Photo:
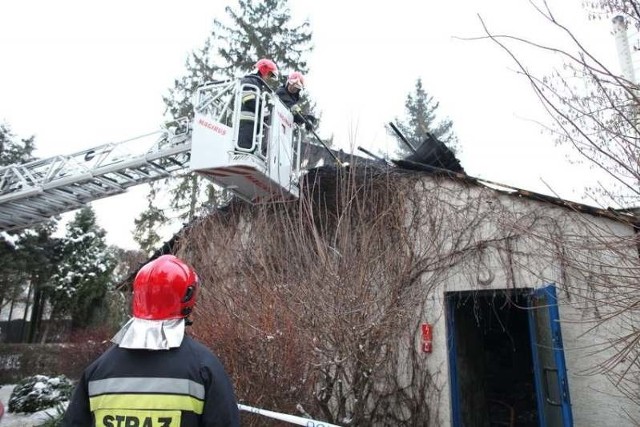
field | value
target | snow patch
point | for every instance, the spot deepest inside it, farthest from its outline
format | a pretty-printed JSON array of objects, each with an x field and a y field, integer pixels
[
  {"x": 23, "y": 419},
  {"x": 39, "y": 392}
]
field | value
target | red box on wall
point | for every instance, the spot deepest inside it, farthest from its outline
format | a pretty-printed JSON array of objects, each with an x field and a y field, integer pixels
[{"x": 427, "y": 340}]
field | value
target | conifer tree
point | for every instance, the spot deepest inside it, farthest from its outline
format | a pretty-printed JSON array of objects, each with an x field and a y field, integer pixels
[
  {"x": 83, "y": 276},
  {"x": 29, "y": 257},
  {"x": 421, "y": 109},
  {"x": 38, "y": 254},
  {"x": 9, "y": 275},
  {"x": 13, "y": 256},
  {"x": 253, "y": 29},
  {"x": 12, "y": 150}
]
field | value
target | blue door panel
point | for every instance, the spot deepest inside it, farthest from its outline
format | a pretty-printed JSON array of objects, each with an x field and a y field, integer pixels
[
  {"x": 550, "y": 369},
  {"x": 456, "y": 418}
]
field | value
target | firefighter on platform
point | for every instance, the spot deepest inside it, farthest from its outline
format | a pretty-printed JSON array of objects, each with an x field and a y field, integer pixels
[
  {"x": 265, "y": 73},
  {"x": 155, "y": 375},
  {"x": 289, "y": 94}
]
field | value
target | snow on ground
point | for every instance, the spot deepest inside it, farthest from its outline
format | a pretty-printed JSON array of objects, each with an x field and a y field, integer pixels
[{"x": 10, "y": 419}]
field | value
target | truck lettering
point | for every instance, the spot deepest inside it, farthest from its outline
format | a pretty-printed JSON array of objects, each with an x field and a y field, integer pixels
[
  {"x": 285, "y": 120},
  {"x": 214, "y": 127}
]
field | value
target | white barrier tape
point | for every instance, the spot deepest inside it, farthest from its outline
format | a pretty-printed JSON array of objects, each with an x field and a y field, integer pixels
[{"x": 285, "y": 417}]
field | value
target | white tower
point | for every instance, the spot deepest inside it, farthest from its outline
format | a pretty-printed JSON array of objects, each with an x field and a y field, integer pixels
[
  {"x": 622, "y": 46},
  {"x": 626, "y": 66}
]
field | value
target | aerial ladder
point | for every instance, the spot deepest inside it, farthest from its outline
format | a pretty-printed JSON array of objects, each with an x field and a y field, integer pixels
[{"x": 254, "y": 154}]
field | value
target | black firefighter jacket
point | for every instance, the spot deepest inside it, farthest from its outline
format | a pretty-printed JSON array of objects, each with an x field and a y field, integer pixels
[
  {"x": 290, "y": 99},
  {"x": 181, "y": 387},
  {"x": 249, "y": 96}
]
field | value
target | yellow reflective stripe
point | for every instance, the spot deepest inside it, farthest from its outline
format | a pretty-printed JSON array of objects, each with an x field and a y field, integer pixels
[
  {"x": 146, "y": 401},
  {"x": 246, "y": 98},
  {"x": 244, "y": 115}
]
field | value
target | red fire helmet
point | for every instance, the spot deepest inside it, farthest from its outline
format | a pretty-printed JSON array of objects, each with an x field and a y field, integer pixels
[
  {"x": 266, "y": 66},
  {"x": 296, "y": 79},
  {"x": 165, "y": 288}
]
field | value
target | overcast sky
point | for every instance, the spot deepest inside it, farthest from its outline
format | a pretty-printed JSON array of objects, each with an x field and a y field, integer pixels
[{"x": 78, "y": 74}]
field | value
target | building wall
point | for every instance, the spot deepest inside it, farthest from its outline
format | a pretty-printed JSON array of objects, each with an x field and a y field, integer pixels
[
  {"x": 530, "y": 244},
  {"x": 437, "y": 236}
]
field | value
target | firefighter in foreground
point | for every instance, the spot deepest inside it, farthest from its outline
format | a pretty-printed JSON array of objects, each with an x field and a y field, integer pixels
[{"x": 155, "y": 375}]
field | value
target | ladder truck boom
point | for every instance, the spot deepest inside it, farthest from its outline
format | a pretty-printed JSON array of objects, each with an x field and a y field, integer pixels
[
  {"x": 33, "y": 192},
  {"x": 253, "y": 152}
]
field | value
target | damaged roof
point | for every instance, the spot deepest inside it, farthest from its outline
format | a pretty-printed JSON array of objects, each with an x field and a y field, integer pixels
[
  {"x": 432, "y": 157},
  {"x": 432, "y": 153}
]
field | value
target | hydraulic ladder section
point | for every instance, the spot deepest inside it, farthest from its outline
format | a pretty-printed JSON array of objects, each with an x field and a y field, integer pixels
[{"x": 33, "y": 192}]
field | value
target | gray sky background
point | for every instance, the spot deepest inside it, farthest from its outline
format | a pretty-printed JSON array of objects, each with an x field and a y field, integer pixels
[{"x": 78, "y": 74}]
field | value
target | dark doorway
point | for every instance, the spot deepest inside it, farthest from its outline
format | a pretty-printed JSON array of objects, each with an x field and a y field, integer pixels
[{"x": 493, "y": 381}]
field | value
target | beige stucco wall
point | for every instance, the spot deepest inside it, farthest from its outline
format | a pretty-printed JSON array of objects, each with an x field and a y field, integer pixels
[{"x": 548, "y": 244}]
